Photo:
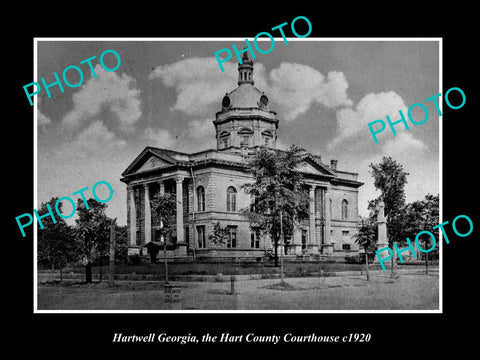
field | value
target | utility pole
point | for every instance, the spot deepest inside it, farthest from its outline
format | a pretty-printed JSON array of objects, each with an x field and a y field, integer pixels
[
  {"x": 111, "y": 278},
  {"x": 282, "y": 248}
]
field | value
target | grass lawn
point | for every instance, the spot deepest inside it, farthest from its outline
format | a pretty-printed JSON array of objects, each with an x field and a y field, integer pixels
[{"x": 408, "y": 292}]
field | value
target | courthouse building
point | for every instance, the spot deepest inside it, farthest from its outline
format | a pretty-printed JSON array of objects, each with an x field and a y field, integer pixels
[{"x": 208, "y": 189}]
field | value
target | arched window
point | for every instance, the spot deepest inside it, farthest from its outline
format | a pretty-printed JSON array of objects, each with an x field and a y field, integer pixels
[
  {"x": 200, "y": 198},
  {"x": 231, "y": 198},
  {"x": 245, "y": 134},
  {"x": 267, "y": 137},
  {"x": 225, "y": 139},
  {"x": 344, "y": 209}
]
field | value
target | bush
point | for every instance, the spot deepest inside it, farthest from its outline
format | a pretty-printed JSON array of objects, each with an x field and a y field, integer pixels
[
  {"x": 134, "y": 259},
  {"x": 360, "y": 258},
  {"x": 355, "y": 259}
]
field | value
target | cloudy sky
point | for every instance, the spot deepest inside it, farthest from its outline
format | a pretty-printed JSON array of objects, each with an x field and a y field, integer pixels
[{"x": 166, "y": 93}]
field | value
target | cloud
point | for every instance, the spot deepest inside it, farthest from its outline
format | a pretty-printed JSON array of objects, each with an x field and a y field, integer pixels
[
  {"x": 199, "y": 129},
  {"x": 115, "y": 92},
  {"x": 96, "y": 138},
  {"x": 295, "y": 88},
  {"x": 159, "y": 138},
  {"x": 403, "y": 145},
  {"x": 42, "y": 120},
  {"x": 198, "y": 83},
  {"x": 351, "y": 121}
]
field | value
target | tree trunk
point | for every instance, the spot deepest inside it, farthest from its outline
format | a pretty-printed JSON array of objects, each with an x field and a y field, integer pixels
[
  {"x": 282, "y": 280},
  {"x": 111, "y": 263},
  {"x": 61, "y": 273},
  {"x": 426, "y": 258},
  {"x": 393, "y": 273},
  {"x": 88, "y": 272},
  {"x": 366, "y": 265},
  {"x": 275, "y": 256},
  {"x": 88, "y": 265},
  {"x": 165, "y": 259}
]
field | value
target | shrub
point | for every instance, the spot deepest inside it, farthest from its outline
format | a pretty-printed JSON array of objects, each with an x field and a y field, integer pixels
[{"x": 134, "y": 259}]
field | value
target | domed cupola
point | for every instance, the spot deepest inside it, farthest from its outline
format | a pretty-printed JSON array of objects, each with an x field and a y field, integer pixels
[{"x": 245, "y": 119}]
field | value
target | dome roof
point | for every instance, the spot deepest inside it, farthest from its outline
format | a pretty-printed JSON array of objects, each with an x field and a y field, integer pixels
[{"x": 245, "y": 96}]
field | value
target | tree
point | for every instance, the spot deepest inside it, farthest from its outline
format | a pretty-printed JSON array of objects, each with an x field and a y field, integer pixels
[
  {"x": 367, "y": 238},
  {"x": 92, "y": 229},
  {"x": 419, "y": 216},
  {"x": 56, "y": 244},
  {"x": 163, "y": 207},
  {"x": 279, "y": 193},
  {"x": 121, "y": 243},
  {"x": 390, "y": 178},
  {"x": 220, "y": 236}
]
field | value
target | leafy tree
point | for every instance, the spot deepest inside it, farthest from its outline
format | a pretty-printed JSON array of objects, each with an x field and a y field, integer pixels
[
  {"x": 220, "y": 236},
  {"x": 279, "y": 191},
  {"x": 56, "y": 244},
  {"x": 419, "y": 216},
  {"x": 367, "y": 238},
  {"x": 163, "y": 208},
  {"x": 93, "y": 231},
  {"x": 390, "y": 178},
  {"x": 121, "y": 243}
]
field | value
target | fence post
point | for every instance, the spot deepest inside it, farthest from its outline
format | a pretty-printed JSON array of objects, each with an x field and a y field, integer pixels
[{"x": 232, "y": 285}]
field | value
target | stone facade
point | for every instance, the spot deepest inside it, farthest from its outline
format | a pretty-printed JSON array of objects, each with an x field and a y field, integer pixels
[{"x": 208, "y": 189}]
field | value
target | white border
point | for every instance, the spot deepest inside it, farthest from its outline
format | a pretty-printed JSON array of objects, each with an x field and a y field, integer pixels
[{"x": 146, "y": 39}]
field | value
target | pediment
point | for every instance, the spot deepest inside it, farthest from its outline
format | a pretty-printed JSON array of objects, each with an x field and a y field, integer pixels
[
  {"x": 152, "y": 162},
  {"x": 306, "y": 167},
  {"x": 310, "y": 166},
  {"x": 149, "y": 158}
]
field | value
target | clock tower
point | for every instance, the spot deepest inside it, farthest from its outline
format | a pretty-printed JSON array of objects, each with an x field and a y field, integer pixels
[{"x": 245, "y": 120}]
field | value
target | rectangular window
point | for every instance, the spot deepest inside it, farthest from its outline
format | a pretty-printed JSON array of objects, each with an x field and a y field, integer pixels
[
  {"x": 156, "y": 235},
  {"x": 255, "y": 240},
  {"x": 201, "y": 198},
  {"x": 225, "y": 142},
  {"x": 253, "y": 203},
  {"x": 346, "y": 246},
  {"x": 138, "y": 240},
  {"x": 186, "y": 235},
  {"x": 201, "y": 237},
  {"x": 345, "y": 232},
  {"x": 232, "y": 237}
]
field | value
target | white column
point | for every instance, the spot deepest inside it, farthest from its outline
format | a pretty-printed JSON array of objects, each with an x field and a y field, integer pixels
[
  {"x": 161, "y": 185},
  {"x": 180, "y": 236},
  {"x": 311, "y": 211},
  {"x": 326, "y": 209},
  {"x": 133, "y": 217},
  {"x": 382, "y": 226},
  {"x": 148, "y": 216},
  {"x": 382, "y": 241}
]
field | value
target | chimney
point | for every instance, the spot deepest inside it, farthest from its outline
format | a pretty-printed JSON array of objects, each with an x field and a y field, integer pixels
[{"x": 333, "y": 165}]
